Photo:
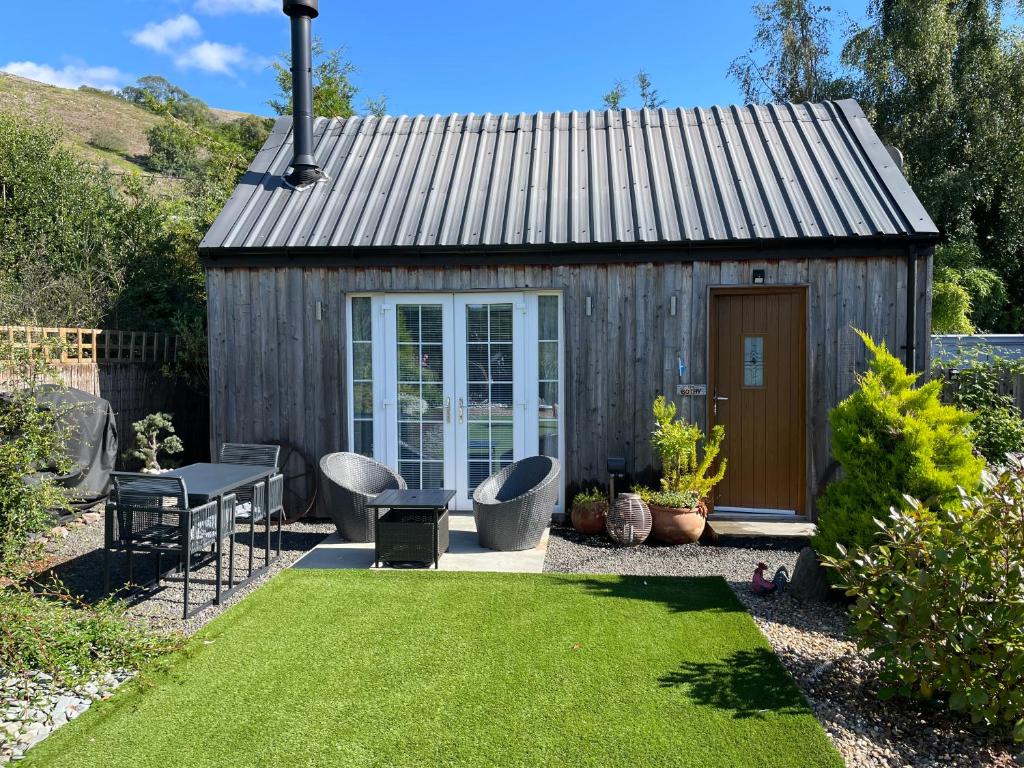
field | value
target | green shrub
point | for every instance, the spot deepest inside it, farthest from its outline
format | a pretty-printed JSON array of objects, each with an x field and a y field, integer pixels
[
  {"x": 29, "y": 441},
  {"x": 940, "y": 601},
  {"x": 685, "y": 470},
  {"x": 110, "y": 140},
  {"x": 892, "y": 439},
  {"x": 976, "y": 382},
  {"x": 52, "y": 632},
  {"x": 589, "y": 496}
]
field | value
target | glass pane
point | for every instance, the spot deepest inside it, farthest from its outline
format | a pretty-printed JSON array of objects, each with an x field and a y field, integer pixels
[
  {"x": 476, "y": 363},
  {"x": 501, "y": 443},
  {"x": 548, "y": 439},
  {"x": 501, "y": 402},
  {"x": 361, "y": 324},
  {"x": 362, "y": 438},
  {"x": 421, "y": 394},
  {"x": 408, "y": 324},
  {"x": 362, "y": 401},
  {"x": 476, "y": 322},
  {"x": 479, "y": 441},
  {"x": 478, "y": 472},
  {"x": 431, "y": 331},
  {"x": 547, "y": 309},
  {"x": 432, "y": 362},
  {"x": 549, "y": 360},
  {"x": 362, "y": 362},
  {"x": 433, "y": 474},
  {"x": 409, "y": 441},
  {"x": 548, "y": 399},
  {"x": 753, "y": 361},
  {"x": 501, "y": 362},
  {"x": 501, "y": 322},
  {"x": 433, "y": 441}
]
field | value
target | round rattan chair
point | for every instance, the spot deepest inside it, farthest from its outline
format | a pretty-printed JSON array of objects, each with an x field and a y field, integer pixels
[
  {"x": 348, "y": 481},
  {"x": 513, "y": 506}
]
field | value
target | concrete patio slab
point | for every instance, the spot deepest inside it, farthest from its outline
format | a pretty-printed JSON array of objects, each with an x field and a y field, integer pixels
[{"x": 464, "y": 553}]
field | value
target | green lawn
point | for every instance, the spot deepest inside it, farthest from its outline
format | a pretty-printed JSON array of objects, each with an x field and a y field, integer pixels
[{"x": 394, "y": 669}]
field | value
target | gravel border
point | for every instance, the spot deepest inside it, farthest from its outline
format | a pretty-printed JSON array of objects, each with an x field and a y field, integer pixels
[
  {"x": 33, "y": 706},
  {"x": 838, "y": 680}
]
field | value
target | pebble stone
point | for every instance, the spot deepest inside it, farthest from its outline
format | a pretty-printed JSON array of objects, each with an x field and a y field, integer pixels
[{"x": 812, "y": 640}]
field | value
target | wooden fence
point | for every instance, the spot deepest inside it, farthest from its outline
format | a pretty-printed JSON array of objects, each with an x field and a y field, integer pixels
[
  {"x": 126, "y": 368},
  {"x": 93, "y": 345}
]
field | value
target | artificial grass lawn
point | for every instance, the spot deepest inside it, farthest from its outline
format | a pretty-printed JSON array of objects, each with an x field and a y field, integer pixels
[{"x": 393, "y": 669}]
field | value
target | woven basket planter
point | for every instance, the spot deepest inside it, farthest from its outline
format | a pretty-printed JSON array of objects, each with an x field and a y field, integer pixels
[
  {"x": 629, "y": 521},
  {"x": 589, "y": 518},
  {"x": 678, "y": 525}
]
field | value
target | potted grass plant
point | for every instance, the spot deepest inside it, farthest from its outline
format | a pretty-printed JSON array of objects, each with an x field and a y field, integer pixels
[
  {"x": 679, "y": 509},
  {"x": 589, "y": 511}
]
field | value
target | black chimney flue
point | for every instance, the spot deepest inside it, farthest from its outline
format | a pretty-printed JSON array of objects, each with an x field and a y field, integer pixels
[{"x": 304, "y": 169}]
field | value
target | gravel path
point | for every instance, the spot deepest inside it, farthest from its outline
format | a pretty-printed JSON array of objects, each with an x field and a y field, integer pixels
[{"x": 839, "y": 681}]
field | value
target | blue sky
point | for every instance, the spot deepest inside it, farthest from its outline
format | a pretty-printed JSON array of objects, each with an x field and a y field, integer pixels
[{"x": 426, "y": 57}]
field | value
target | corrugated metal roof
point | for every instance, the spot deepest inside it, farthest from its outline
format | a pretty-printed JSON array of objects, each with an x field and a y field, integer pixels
[{"x": 792, "y": 171}]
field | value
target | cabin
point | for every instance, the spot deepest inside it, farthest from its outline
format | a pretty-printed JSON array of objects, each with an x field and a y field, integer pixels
[{"x": 450, "y": 293}]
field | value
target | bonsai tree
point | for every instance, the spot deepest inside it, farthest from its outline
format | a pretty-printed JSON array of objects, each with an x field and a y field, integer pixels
[
  {"x": 154, "y": 435},
  {"x": 892, "y": 439},
  {"x": 686, "y": 468}
]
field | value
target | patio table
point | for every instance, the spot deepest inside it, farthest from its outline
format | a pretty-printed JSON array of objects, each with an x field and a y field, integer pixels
[
  {"x": 414, "y": 528},
  {"x": 206, "y": 482}
]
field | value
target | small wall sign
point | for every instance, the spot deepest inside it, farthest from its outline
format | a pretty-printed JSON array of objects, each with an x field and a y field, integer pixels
[{"x": 692, "y": 390}]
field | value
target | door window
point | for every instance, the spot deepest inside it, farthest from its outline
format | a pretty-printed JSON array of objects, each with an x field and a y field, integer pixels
[
  {"x": 489, "y": 384},
  {"x": 420, "y": 355}
]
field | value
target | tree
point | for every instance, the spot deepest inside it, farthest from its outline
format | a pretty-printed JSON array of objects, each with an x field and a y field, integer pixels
[
  {"x": 157, "y": 94},
  {"x": 333, "y": 91},
  {"x": 790, "y": 58},
  {"x": 173, "y": 149},
  {"x": 892, "y": 438},
  {"x": 649, "y": 98},
  {"x": 944, "y": 80}
]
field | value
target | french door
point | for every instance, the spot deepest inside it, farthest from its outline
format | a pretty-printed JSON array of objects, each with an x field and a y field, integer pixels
[{"x": 452, "y": 392}]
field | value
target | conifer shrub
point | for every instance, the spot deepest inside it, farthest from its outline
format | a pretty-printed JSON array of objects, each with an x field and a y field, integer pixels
[{"x": 892, "y": 439}]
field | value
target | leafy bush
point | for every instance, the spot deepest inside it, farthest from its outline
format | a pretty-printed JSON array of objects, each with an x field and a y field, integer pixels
[
  {"x": 892, "y": 439},
  {"x": 52, "y": 632},
  {"x": 940, "y": 601},
  {"x": 976, "y": 382},
  {"x": 154, "y": 435},
  {"x": 589, "y": 496},
  {"x": 684, "y": 469},
  {"x": 110, "y": 140},
  {"x": 674, "y": 499},
  {"x": 29, "y": 441}
]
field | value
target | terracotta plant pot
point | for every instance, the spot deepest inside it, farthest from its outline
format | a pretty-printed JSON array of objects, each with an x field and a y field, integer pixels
[
  {"x": 589, "y": 518},
  {"x": 678, "y": 525}
]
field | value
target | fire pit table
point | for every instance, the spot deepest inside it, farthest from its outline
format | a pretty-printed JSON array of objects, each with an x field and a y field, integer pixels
[{"x": 414, "y": 527}]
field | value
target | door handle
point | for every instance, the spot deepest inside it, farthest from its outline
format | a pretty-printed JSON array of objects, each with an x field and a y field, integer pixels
[
  {"x": 462, "y": 410},
  {"x": 716, "y": 399},
  {"x": 447, "y": 410}
]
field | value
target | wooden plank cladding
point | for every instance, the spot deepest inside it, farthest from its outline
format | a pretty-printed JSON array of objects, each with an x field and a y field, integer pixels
[
  {"x": 92, "y": 345},
  {"x": 278, "y": 336}
]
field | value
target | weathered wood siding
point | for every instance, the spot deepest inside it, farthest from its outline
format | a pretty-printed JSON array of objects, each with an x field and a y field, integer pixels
[{"x": 277, "y": 372}]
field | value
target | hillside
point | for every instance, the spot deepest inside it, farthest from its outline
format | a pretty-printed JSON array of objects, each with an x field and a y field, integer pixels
[{"x": 106, "y": 129}]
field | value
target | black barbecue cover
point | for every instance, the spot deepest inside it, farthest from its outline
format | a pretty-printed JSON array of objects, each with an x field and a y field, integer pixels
[{"x": 91, "y": 440}]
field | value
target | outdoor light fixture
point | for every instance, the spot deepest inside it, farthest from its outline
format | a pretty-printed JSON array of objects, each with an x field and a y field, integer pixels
[
  {"x": 587, "y": 305},
  {"x": 758, "y": 276},
  {"x": 616, "y": 468},
  {"x": 672, "y": 305}
]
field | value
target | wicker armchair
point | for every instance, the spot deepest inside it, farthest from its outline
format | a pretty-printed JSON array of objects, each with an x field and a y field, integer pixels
[
  {"x": 150, "y": 513},
  {"x": 514, "y": 506},
  {"x": 347, "y": 482}
]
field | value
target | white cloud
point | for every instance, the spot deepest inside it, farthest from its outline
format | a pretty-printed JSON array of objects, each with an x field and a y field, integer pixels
[
  {"x": 71, "y": 76},
  {"x": 159, "y": 36},
  {"x": 224, "y": 7},
  {"x": 215, "y": 57}
]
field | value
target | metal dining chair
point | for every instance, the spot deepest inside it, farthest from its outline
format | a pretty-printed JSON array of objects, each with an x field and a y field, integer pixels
[
  {"x": 150, "y": 513},
  {"x": 255, "y": 505}
]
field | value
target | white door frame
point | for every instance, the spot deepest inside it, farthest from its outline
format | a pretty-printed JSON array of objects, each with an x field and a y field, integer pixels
[{"x": 526, "y": 395}]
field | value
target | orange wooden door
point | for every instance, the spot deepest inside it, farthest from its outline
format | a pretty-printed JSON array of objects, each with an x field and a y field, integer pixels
[{"x": 756, "y": 390}]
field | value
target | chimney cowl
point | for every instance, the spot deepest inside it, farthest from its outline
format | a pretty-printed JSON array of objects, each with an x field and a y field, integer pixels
[{"x": 309, "y": 8}]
